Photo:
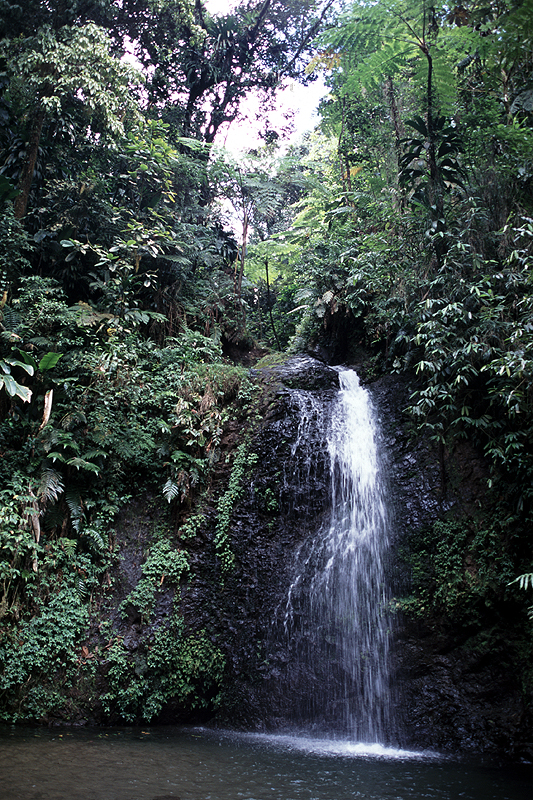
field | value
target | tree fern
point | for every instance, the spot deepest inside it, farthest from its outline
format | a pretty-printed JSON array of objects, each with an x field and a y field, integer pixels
[{"x": 374, "y": 42}]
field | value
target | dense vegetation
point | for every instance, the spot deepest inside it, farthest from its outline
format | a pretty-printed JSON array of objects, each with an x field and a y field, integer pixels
[{"x": 399, "y": 233}]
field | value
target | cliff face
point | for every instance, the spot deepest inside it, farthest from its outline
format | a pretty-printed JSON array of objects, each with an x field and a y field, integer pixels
[
  {"x": 457, "y": 676},
  {"x": 460, "y": 662}
]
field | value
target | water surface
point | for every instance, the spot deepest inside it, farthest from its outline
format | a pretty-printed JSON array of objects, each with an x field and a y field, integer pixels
[{"x": 198, "y": 764}]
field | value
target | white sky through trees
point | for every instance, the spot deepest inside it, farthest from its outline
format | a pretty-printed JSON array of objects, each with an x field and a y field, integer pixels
[{"x": 297, "y": 101}]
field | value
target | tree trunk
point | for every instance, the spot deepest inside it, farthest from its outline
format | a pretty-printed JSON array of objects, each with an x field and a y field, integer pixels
[
  {"x": 243, "y": 254},
  {"x": 436, "y": 185},
  {"x": 270, "y": 307},
  {"x": 28, "y": 167},
  {"x": 399, "y": 133}
]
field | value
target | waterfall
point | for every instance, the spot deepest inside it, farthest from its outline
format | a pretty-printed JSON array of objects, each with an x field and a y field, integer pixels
[{"x": 336, "y": 619}]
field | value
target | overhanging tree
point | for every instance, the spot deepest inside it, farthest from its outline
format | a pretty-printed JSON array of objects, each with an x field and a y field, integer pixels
[
  {"x": 51, "y": 69},
  {"x": 200, "y": 66}
]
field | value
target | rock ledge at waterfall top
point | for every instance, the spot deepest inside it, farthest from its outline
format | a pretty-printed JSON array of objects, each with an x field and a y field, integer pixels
[{"x": 299, "y": 372}]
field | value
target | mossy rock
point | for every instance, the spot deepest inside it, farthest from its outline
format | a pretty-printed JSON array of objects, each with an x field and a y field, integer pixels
[{"x": 299, "y": 372}]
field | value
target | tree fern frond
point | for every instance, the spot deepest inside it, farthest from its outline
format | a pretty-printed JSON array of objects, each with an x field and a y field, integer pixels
[
  {"x": 81, "y": 463},
  {"x": 10, "y": 320},
  {"x": 54, "y": 516},
  {"x": 95, "y": 454},
  {"x": 73, "y": 418},
  {"x": 524, "y": 581},
  {"x": 444, "y": 82},
  {"x": 81, "y": 588},
  {"x": 73, "y": 501},
  {"x": 50, "y": 486},
  {"x": 171, "y": 490},
  {"x": 518, "y": 34},
  {"x": 96, "y": 540}
]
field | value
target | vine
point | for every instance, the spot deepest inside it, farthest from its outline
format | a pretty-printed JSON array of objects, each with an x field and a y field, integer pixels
[
  {"x": 242, "y": 462},
  {"x": 164, "y": 565},
  {"x": 185, "y": 668}
]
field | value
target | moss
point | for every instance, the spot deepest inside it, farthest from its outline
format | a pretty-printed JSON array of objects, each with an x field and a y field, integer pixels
[{"x": 272, "y": 360}]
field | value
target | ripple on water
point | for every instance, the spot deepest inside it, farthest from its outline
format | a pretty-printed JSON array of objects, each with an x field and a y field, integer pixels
[{"x": 199, "y": 764}]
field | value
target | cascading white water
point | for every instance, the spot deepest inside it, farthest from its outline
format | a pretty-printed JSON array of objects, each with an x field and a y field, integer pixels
[{"x": 336, "y": 617}]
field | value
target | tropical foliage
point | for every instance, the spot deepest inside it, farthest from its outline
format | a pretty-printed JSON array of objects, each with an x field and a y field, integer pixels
[{"x": 136, "y": 256}]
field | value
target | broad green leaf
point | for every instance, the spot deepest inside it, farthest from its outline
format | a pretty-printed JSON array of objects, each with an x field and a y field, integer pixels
[
  {"x": 48, "y": 361},
  {"x": 27, "y": 358},
  {"x": 10, "y": 385},
  {"x": 15, "y": 363}
]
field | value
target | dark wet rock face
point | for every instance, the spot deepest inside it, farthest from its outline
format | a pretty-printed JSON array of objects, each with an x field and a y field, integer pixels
[
  {"x": 286, "y": 496},
  {"x": 456, "y": 693},
  {"x": 452, "y": 696},
  {"x": 458, "y": 699}
]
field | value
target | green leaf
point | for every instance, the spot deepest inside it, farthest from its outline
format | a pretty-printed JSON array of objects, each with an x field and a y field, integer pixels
[
  {"x": 28, "y": 359},
  {"x": 13, "y": 388},
  {"x": 80, "y": 463},
  {"x": 418, "y": 124},
  {"x": 24, "y": 393},
  {"x": 7, "y": 190},
  {"x": 10, "y": 385},
  {"x": 15, "y": 363},
  {"x": 48, "y": 361}
]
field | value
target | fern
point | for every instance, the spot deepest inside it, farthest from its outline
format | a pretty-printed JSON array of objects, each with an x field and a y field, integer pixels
[
  {"x": 95, "y": 454},
  {"x": 72, "y": 419},
  {"x": 388, "y": 60},
  {"x": 386, "y": 40},
  {"x": 171, "y": 490},
  {"x": 96, "y": 540},
  {"x": 54, "y": 516},
  {"x": 524, "y": 581},
  {"x": 81, "y": 463},
  {"x": 73, "y": 501},
  {"x": 11, "y": 321},
  {"x": 68, "y": 545},
  {"x": 81, "y": 588},
  {"x": 518, "y": 36},
  {"x": 51, "y": 486},
  {"x": 41, "y": 342}
]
